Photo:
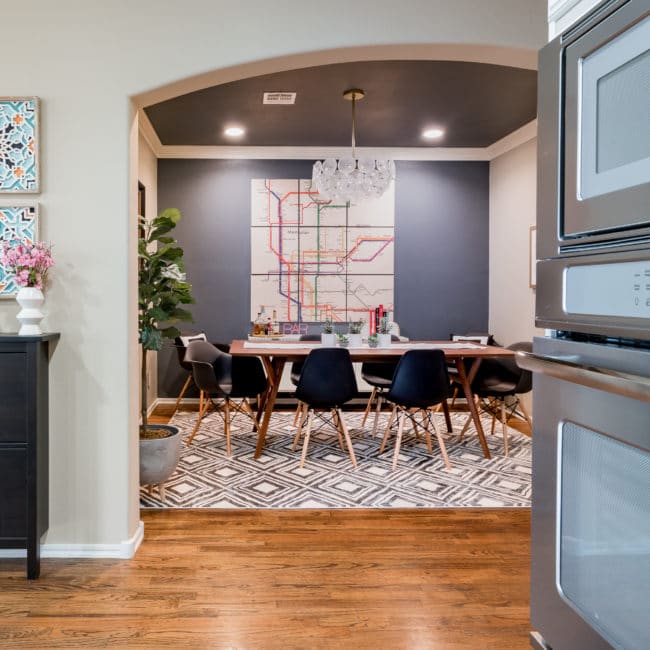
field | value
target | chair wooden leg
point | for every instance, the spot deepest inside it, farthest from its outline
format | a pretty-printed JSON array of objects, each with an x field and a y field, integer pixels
[
  {"x": 504, "y": 427},
  {"x": 305, "y": 443},
  {"x": 339, "y": 428},
  {"x": 304, "y": 409},
  {"x": 465, "y": 427},
  {"x": 426, "y": 416},
  {"x": 453, "y": 397},
  {"x": 226, "y": 425},
  {"x": 525, "y": 414},
  {"x": 348, "y": 441},
  {"x": 445, "y": 408},
  {"x": 298, "y": 412},
  {"x": 441, "y": 443},
  {"x": 246, "y": 407},
  {"x": 416, "y": 431},
  {"x": 371, "y": 399},
  {"x": 377, "y": 411},
  {"x": 202, "y": 411},
  {"x": 398, "y": 440},
  {"x": 494, "y": 419},
  {"x": 161, "y": 491},
  {"x": 387, "y": 432},
  {"x": 180, "y": 397}
]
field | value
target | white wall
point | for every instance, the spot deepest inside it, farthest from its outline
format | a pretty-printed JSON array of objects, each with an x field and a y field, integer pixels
[
  {"x": 513, "y": 186},
  {"x": 85, "y": 60}
]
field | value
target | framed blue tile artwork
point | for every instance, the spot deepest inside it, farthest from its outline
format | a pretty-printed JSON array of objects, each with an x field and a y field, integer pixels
[
  {"x": 17, "y": 224},
  {"x": 19, "y": 160}
]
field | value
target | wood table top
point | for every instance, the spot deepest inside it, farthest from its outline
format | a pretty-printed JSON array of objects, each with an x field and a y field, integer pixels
[{"x": 298, "y": 350}]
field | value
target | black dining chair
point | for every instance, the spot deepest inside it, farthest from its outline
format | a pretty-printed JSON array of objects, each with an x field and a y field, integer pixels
[
  {"x": 296, "y": 369},
  {"x": 379, "y": 374},
  {"x": 180, "y": 344},
  {"x": 420, "y": 383},
  {"x": 219, "y": 374},
  {"x": 496, "y": 380},
  {"x": 326, "y": 382}
]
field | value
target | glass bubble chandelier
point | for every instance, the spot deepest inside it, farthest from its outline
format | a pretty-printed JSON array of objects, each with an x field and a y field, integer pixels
[{"x": 352, "y": 179}]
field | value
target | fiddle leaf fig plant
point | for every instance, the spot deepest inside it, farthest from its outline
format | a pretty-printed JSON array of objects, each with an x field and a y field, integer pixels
[{"x": 162, "y": 288}]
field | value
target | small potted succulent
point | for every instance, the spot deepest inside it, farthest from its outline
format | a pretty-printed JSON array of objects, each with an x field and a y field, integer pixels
[
  {"x": 343, "y": 340},
  {"x": 327, "y": 337},
  {"x": 373, "y": 340},
  {"x": 383, "y": 336},
  {"x": 354, "y": 333}
]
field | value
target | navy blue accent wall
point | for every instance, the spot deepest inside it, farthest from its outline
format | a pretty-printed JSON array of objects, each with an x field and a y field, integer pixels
[{"x": 441, "y": 245}]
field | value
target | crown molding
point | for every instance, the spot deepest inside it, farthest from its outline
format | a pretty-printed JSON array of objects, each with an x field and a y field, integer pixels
[
  {"x": 513, "y": 140},
  {"x": 198, "y": 152}
]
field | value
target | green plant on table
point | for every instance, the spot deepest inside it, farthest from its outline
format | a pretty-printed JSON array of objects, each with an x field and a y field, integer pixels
[
  {"x": 373, "y": 340},
  {"x": 343, "y": 340},
  {"x": 384, "y": 325},
  {"x": 328, "y": 326},
  {"x": 162, "y": 288},
  {"x": 355, "y": 326}
]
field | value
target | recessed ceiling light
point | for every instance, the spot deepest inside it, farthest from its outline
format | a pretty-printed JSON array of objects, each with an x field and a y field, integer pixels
[
  {"x": 234, "y": 131},
  {"x": 432, "y": 134}
]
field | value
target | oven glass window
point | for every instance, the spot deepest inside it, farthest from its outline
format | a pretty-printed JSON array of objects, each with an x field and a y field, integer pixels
[
  {"x": 604, "y": 545},
  {"x": 615, "y": 114}
]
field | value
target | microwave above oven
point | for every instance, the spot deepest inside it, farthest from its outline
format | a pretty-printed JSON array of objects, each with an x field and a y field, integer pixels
[{"x": 594, "y": 133}]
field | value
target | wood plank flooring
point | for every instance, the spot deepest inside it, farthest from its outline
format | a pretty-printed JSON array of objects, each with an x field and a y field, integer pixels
[{"x": 443, "y": 579}]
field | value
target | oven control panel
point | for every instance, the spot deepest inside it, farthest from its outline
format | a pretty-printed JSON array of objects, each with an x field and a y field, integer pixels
[{"x": 613, "y": 289}]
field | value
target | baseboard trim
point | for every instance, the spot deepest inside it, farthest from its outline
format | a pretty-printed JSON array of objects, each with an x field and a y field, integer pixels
[{"x": 122, "y": 551}]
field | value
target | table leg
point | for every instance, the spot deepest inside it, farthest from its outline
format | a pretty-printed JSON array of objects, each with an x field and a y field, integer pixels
[
  {"x": 465, "y": 381},
  {"x": 274, "y": 368}
]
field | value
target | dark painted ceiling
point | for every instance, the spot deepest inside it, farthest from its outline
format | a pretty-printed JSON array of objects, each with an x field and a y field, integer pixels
[{"x": 476, "y": 104}]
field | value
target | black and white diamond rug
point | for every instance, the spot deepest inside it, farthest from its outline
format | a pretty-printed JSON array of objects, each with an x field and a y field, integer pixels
[{"x": 207, "y": 478}]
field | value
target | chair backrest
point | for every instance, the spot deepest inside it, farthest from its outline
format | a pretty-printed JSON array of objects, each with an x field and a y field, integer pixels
[
  {"x": 181, "y": 342},
  {"x": 327, "y": 378},
  {"x": 504, "y": 371},
  {"x": 420, "y": 380},
  {"x": 210, "y": 366},
  {"x": 525, "y": 383}
]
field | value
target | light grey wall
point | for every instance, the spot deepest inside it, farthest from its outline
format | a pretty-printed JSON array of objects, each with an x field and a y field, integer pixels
[{"x": 441, "y": 245}]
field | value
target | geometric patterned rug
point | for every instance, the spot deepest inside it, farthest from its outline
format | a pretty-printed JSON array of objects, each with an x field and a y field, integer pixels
[{"x": 207, "y": 478}]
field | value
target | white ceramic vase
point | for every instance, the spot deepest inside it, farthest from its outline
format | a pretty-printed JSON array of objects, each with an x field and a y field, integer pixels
[
  {"x": 355, "y": 340},
  {"x": 31, "y": 300},
  {"x": 328, "y": 340},
  {"x": 384, "y": 340}
]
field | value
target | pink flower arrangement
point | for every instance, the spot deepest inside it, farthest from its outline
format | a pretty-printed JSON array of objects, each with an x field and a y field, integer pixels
[{"x": 28, "y": 262}]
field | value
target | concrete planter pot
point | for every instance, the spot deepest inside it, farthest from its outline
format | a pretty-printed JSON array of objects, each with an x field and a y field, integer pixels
[{"x": 159, "y": 456}]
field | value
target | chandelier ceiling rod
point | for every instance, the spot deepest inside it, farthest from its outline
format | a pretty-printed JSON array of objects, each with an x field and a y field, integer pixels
[{"x": 353, "y": 95}]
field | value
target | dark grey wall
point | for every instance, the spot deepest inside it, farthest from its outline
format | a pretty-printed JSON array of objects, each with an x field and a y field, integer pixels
[{"x": 441, "y": 245}]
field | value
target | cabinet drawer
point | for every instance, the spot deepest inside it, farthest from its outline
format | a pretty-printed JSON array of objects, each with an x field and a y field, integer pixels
[
  {"x": 13, "y": 496},
  {"x": 13, "y": 397}
]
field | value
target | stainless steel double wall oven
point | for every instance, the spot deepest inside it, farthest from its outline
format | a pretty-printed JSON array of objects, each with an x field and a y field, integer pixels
[{"x": 590, "y": 579}]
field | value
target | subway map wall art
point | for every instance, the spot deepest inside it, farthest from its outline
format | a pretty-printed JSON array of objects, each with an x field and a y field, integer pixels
[
  {"x": 313, "y": 259},
  {"x": 17, "y": 224},
  {"x": 19, "y": 166}
]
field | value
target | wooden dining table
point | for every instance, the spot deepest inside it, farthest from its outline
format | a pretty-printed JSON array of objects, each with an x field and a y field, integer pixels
[{"x": 275, "y": 354}]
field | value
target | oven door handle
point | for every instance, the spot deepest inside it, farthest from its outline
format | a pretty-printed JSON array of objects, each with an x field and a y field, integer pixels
[{"x": 610, "y": 381}]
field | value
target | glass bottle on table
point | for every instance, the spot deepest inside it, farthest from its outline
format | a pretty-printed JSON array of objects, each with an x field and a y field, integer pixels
[{"x": 259, "y": 326}]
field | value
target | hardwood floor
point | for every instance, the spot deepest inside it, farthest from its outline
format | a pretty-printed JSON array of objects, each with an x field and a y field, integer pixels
[{"x": 443, "y": 579}]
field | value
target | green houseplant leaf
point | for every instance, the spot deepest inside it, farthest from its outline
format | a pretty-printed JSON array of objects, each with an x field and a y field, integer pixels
[{"x": 162, "y": 288}]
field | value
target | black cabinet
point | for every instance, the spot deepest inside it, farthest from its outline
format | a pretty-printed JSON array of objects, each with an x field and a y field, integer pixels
[{"x": 24, "y": 475}]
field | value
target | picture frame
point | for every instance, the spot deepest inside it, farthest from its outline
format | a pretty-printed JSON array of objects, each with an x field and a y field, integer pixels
[
  {"x": 17, "y": 223},
  {"x": 532, "y": 257},
  {"x": 19, "y": 145}
]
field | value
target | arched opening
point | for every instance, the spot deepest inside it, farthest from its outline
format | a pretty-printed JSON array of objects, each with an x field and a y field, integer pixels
[{"x": 512, "y": 57}]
